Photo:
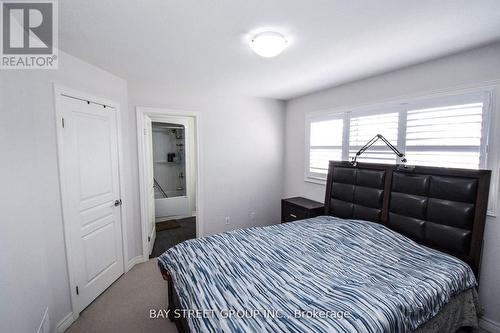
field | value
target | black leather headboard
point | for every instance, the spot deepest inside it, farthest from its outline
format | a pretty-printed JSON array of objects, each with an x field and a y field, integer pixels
[{"x": 442, "y": 208}]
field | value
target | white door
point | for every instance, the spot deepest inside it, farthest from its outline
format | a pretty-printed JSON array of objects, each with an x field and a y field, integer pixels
[
  {"x": 148, "y": 139},
  {"x": 91, "y": 197}
]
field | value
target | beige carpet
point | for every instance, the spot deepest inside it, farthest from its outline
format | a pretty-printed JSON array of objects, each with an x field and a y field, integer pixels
[{"x": 124, "y": 307}]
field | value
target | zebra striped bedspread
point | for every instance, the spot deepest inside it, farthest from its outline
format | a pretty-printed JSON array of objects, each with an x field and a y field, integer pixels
[{"x": 318, "y": 275}]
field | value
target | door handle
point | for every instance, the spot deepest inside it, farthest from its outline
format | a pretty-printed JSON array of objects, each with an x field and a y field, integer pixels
[
  {"x": 118, "y": 202},
  {"x": 294, "y": 216}
]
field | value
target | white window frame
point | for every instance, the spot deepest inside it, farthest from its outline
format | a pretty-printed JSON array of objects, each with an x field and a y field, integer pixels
[
  {"x": 487, "y": 96},
  {"x": 311, "y": 118}
]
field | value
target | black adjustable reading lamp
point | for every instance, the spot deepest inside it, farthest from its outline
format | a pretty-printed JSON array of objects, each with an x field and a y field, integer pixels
[{"x": 371, "y": 142}]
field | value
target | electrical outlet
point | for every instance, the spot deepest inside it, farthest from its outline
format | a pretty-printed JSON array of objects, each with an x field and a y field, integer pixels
[
  {"x": 228, "y": 219},
  {"x": 252, "y": 216}
]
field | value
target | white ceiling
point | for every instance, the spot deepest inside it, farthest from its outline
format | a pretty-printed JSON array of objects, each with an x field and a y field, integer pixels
[{"x": 202, "y": 44}]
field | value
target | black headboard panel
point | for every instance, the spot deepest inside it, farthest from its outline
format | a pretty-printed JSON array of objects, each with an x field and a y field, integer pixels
[
  {"x": 357, "y": 193},
  {"x": 441, "y": 208}
]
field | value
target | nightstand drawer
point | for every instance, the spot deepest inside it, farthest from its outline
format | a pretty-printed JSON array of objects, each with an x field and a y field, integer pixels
[
  {"x": 291, "y": 213},
  {"x": 298, "y": 208}
]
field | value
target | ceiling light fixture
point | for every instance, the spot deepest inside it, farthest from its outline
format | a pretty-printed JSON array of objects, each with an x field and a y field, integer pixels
[{"x": 268, "y": 44}]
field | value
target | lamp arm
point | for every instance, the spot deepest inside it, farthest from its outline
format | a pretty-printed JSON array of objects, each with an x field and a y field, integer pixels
[
  {"x": 394, "y": 149},
  {"x": 365, "y": 147},
  {"x": 371, "y": 142}
]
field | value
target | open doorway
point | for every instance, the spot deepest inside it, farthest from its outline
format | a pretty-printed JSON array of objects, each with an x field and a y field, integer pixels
[
  {"x": 175, "y": 211},
  {"x": 169, "y": 179}
]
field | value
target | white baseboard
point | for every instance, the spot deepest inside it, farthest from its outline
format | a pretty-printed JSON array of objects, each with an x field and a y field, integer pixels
[
  {"x": 134, "y": 261},
  {"x": 489, "y": 325},
  {"x": 44, "y": 324},
  {"x": 65, "y": 323}
]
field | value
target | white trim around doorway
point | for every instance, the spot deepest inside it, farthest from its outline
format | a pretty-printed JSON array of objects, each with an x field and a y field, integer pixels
[{"x": 156, "y": 114}]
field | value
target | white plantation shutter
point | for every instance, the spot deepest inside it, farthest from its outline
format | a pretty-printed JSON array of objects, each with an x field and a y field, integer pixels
[
  {"x": 445, "y": 131},
  {"x": 364, "y": 128},
  {"x": 325, "y": 145},
  {"x": 446, "y": 136}
]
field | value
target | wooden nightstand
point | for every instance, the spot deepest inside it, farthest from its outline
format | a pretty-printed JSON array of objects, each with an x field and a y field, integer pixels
[{"x": 298, "y": 208}]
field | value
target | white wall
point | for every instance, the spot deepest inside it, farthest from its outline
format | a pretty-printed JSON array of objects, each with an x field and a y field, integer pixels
[
  {"x": 33, "y": 265},
  {"x": 468, "y": 69},
  {"x": 241, "y": 144},
  {"x": 241, "y": 152}
]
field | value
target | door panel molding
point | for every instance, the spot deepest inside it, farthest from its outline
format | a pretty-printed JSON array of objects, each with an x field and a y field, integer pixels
[{"x": 89, "y": 220}]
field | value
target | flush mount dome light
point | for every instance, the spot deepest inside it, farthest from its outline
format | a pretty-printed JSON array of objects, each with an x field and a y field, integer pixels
[{"x": 268, "y": 44}]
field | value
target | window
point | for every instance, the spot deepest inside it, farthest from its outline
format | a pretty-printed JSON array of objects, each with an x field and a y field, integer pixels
[
  {"x": 326, "y": 145},
  {"x": 445, "y": 136},
  {"x": 448, "y": 131},
  {"x": 364, "y": 128}
]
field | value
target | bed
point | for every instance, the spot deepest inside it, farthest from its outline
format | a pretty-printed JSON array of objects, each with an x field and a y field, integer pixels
[{"x": 398, "y": 250}]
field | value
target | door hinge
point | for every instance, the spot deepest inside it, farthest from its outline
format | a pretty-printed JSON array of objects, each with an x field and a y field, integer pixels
[
  {"x": 62, "y": 122},
  {"x": 149, "y": 238},
  {"x": 77, "y": 292}
]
